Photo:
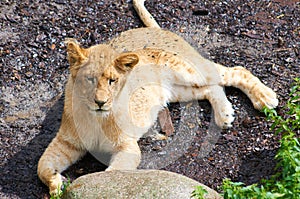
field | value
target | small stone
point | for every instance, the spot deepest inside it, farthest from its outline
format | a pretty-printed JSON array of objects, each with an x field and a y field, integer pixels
[
  {"x": 52, "y": 46},
  {"x": 29, "y": 74},
  {"x": 10, "y": 119},
  {"x": 289, "y": 60}
]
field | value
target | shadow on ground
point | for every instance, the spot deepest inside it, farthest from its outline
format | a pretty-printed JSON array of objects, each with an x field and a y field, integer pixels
[
  {"x": 20, "y": 179},
  {"x": 256, "y": 164},
  {"x": 20, "y": 171}
]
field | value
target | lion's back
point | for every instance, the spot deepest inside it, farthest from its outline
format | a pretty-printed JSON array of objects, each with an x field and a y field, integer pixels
[
  {"x": 140, "y": 38},
  {"x": 156, "y": 38}
]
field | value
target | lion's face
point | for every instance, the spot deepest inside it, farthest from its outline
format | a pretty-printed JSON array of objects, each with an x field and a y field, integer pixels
[
  {"x": 98, "y": 75},
  {"x": 99, "y": 89}
]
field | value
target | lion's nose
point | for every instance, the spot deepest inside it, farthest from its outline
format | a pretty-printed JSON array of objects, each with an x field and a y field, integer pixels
[{"x": 100, "y": 103}]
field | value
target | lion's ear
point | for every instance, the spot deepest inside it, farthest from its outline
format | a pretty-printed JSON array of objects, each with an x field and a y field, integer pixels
[
  {"x": 76, "y": 54},
  {"x": 126, "y": 61}
]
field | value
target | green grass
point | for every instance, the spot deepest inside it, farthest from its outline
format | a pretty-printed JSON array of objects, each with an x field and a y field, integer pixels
[{"x": 285, "y": 183}]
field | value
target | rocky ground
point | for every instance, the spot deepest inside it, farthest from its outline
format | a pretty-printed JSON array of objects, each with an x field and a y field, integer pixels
[{"x": 263, "y": 36}]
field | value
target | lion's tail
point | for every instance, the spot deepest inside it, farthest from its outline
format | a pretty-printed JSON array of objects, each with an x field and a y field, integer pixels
[{"x": 144, "y": 15}]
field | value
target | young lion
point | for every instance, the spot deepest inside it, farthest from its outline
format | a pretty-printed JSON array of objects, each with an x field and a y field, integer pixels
[{"x": 115, "y": 91}]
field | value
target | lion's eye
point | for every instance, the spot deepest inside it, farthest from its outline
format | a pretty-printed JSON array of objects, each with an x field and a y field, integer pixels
[
  {"x": 91, "y": 80},
  {"x": 110, "y": 81}
]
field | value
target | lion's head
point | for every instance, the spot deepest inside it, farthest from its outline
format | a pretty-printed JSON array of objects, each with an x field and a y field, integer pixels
[{"x": 97, "y": 74}]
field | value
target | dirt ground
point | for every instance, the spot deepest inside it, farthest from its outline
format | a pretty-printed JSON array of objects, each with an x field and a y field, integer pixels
[{"x": 262, "y": 36}]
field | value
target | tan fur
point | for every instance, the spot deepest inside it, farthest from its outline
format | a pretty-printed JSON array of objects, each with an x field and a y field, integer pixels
[{"x": 116, "y": 90}]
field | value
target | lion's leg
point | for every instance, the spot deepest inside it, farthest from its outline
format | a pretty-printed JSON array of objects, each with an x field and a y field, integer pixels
[
  {"x": 224, "y": 113},
  {"x": 127, "y": 156},
  {"x": 144, "y": 15},
  {"x": 59, "y": 155},
  {"x": 241, "y": 78}
]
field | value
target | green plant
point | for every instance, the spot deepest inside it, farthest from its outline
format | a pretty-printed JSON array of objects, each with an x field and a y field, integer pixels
[
  {"x": 285, "y": 184},
  {"x": 287, "y": 180},
  {"x": 237, "y": 190},
  {"x": 199, "y": 192},
  {"x": 62, "y": 190}
]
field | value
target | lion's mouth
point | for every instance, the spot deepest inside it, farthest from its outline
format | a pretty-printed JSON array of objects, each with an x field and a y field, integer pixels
[
  {"x": 101, "y": 110},
  {"x": 94, "y": 109}
]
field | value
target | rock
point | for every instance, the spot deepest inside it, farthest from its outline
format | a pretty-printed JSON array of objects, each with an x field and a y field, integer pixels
[
  {"x": 165, "y": 121},
  {"x": 135, "y": 184}
]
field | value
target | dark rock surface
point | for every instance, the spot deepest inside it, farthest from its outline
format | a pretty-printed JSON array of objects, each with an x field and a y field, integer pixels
[{"x": 263, "y": 36}]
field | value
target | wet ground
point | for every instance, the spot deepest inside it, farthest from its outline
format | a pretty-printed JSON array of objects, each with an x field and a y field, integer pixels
[{"x": 263, "y": 36}]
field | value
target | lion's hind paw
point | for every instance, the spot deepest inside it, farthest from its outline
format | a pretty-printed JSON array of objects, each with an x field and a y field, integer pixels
[{"x": 264, "y": 97}]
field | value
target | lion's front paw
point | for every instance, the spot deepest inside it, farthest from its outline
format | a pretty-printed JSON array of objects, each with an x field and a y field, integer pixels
[
  {"x": 55, "y": 184},
  {"x": 264, "y": 97},
  {"x": 224, "y": 116}
]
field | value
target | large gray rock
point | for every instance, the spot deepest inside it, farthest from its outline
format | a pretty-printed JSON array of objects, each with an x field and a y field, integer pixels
[{"x": 146, "y": 184}]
